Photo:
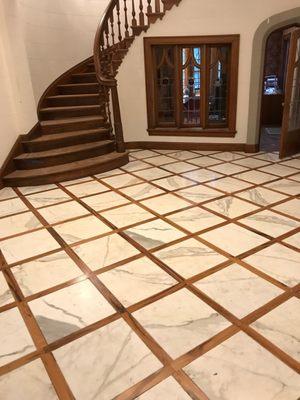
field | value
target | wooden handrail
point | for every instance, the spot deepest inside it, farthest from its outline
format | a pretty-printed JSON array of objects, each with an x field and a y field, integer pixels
[{"x": 112, "y": 41}]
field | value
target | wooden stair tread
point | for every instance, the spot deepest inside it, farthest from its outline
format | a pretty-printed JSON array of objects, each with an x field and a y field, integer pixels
[
  {"x": 67, "y": 108},
  {"x": 85, "y": 84},
  {"x": 73, "y": 166},
  {"x": 63, "y": 150},
  {"x": 62, "y": 135},
  {"x": 71, "y": 120},
  {"x": 73, "y": 96}
]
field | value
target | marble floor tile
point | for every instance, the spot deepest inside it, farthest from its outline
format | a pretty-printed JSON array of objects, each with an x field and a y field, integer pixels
[
  {"x": 256, "y": 177},
  {"x": 204, "y": 161},
  {"x": 127, "y": 215},
  {"x": 228, "y": 168},
  {"x": 282, "y": 327},
  {"x": 240, "y": 368},
  {"x": 152, "y": 173},
  {"x": 32, "y": 383},
  {"x": 179, "y": 167},
  {"x": 233, "y": 283},
  {"x": 199, "y": 193},
  {"x": 144, "y": 154},
  {"x": 15, "y": 339},
  {"x": 6, "y": 296},
  {"x": 34, "y": 189},
  {"x": 160, "y": 160},
  {"x": 48, "y": 198},
  {"x": 12, "y": 206},
  {"x": 123, "y": 180},
  {"x": 291, "y": 207},
  {"x": 229, "y": 185},
  {"x": 45, "y": 272},
  {"x": 174, "y": 182},
  {"x": 153, "y": 234},
  {"x": 279, "y": 169},
  {"x": 61, "y": 212},
  {"x": 294, "y": 163},
  {"x": 207, "y": 152},
  {"x": 231, "y": 207},
  {"x": 293, "y": 240},
  {"x": 272, "y": 157},
  {"x": 142, "y": 191},
  {"x": 183, "y": 155},
  {"x": 165, "y": 203},
  {"x": 270, "y": 223},
  {"x": 202, "y": 175},
  {"x": 285, "y": 186},
  {"x": 190, "y": 257},
  {"x": 135, "y": 166},
  {"x": 228, "y": 156},
  {"x": 278, "y": 261},
  {"x": 77, "y": 181},
  {"x": 7, "y": 193},
  {"x": 295, "y": 177},
  {"x": 136, "y": 281},
  {"x": 87, "y": 188},
  {"x": 67, "y": 310},
  {"x": 80, "y": 229},
  {"x": 195, "y": 219},
  {"x": 261, "y": 196},
  {"x": 169, "y": 389},
  {"x": 233, "y": 239},
  {"x": 105, "y": 251},
  {"x": 125, "y": 360},
  {"x": 181, "y": 321},
  {"x": 21, "y": 248},
  {"x": 251, "y": 162},
  {"x": 105, "y": 200},
  {"x": 20, "y": 223},
  {"x": 113, "y": 172}
]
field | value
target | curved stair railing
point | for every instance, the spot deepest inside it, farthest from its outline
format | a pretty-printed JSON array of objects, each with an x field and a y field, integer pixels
[{"x": 121, "y": 22}]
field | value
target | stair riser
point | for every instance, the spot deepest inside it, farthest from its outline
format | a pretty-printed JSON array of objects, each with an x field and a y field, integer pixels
[
  {"x": 46, "y": 115},
  {"x": 72, "y": 126},
  {"x": 77, "y": 101},
  {"x": 54, "y": 144},
  {"x": 64, "y": 158},
  {"x": 68, "y": 175},
  {"x": 84, "y": 78},
  {"x": 77, "y": 89}
]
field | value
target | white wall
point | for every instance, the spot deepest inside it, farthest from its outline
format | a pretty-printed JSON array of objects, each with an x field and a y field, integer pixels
[
  {"x": 196, "y": 17},
  {"x": 58, "y": 34}
]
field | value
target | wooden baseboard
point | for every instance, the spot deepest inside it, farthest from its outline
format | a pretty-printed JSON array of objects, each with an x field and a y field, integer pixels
[
  {"x": 8, "y": 165},
  {"x": 193, "y": 146}
]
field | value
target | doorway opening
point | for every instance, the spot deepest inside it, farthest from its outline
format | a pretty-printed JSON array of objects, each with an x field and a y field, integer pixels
[{"x": 274, "y": 88}]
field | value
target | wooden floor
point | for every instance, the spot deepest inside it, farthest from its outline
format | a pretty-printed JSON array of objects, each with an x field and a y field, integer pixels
[{"x": 173, "y": 277}]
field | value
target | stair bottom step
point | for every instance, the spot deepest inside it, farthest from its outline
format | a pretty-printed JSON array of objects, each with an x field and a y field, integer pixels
[{"x": 65, "y": 172}]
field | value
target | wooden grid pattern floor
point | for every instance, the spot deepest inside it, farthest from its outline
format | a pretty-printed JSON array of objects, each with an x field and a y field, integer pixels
[{"x": 175, "y": 277}]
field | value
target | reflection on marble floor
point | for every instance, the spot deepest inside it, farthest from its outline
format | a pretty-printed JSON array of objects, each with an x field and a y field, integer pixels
[{"x": 108, "y": 279}]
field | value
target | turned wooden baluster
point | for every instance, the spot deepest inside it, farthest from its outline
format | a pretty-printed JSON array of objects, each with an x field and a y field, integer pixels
[
  {"x": 118, "y": 20},
  {"x": 157, "y": 6},
  {"x": 126, "y": 20},
  {"x": 112, "y": 34},
  {"x": 134, "y": 21},
  {"x": 106, "y": 30},
  {"x": 141, "y": 15},
  {"x": 149, "y": 8}
]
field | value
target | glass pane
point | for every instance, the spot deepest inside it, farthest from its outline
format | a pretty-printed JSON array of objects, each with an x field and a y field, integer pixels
[
  {"x": 294, "y": 117},
  {"x": 191, "y": 85},
  {"x": 165, "y": 74},
  {"x": 218, "y": 84}
]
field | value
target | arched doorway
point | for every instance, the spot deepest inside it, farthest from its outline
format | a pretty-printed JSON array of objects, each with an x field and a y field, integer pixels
[{"x": 276, "y": 22}]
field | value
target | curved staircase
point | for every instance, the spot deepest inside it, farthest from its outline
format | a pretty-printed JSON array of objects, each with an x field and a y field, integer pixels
[{"x": 80, "y": 129}]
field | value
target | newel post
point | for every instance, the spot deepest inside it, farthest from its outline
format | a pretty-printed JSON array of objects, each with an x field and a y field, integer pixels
[{"x": 120, "y": 145}]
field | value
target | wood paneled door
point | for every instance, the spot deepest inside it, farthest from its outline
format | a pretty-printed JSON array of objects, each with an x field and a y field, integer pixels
[{"x": 290, "y": 136}]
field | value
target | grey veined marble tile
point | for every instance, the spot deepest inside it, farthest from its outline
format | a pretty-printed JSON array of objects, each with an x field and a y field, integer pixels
[
  {"x": 240, "y": 368},
  {"x": 29, "y": 382},
  {"x": 106, "y": 362},
  {"x": 168, "y": 389}
]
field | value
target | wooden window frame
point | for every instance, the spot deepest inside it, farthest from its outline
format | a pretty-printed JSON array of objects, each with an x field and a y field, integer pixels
[{"x": 230, "y": 130}]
